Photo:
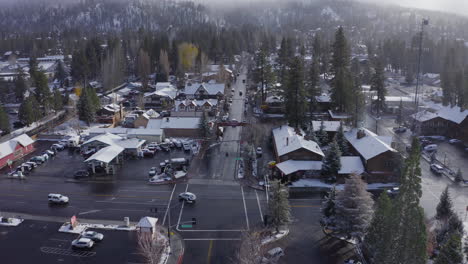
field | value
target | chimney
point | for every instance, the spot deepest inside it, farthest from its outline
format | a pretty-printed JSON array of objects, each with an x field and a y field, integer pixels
[
  {"x": 167, "y": 119},
  {"x": 360, "y": 134},
  {"x": 287, "y": 141}
]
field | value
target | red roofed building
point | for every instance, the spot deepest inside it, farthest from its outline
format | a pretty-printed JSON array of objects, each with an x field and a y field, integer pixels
[{"x": 15, "y": 149}]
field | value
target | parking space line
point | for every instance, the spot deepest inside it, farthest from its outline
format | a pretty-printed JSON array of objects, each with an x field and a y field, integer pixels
[
  {"x": 211, "y": 230},
  {"x": 211, "y": 239},
  {"x": 259, "y": 207},
  {"x": 147, "y": 203},
  {"x": 210, "y": 248},
  {"x": 169, "y": 204},
  {"x": 245, "y": 208},
  {"x": 181, "y": 210},
  {"x": 305, "y": 205},
  {"x": 67, "y": 252}
]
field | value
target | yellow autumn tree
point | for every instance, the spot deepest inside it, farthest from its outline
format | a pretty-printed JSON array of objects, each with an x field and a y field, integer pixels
[
  {"x": 78, "y": 89},
  {"x": 187, "y": 54}
]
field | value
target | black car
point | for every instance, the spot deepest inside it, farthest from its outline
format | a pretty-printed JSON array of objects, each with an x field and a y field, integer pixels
[
  {"x": 81, "y": 174},
  {"x": 18, "y": 124}
]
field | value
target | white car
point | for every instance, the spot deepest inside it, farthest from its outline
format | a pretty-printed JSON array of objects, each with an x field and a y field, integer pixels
[
  {"x": 455, "y": 141},
  {"x": 152, "y": 171},
  {"x": 94, "y": 236},
  {"x": 188, "y": 197},
  {"x": 259, "y": 151},
  {"x": 273, "y": 255},
  {"x": 186, "y": 146},
  {"x": 430, "y": 148},
  {"x": 58, "y": 146},
  {"x": 57, "y": 198},
  {"x": 82, "y": 243},
  {"x": 437, "y": 169}
]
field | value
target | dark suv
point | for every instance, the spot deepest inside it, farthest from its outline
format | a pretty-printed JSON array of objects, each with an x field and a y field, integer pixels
[{"x": 81, "y": 174}]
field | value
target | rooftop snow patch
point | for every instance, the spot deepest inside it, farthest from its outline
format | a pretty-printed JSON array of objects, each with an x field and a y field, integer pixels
[
  {"x": 349, "y": 164},
  {"x": 453, "y": 114},
  {"x": 370, "y": 144},
  {"x": 287, "y": 140}
]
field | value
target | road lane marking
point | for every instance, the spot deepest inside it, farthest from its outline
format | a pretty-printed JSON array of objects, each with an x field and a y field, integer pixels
[
  {"x": 180, "y": 214},
  {"x": 62, "y": 240},
  {"x": 130, "y": 210},
  {"x": 169, "y": 204},
  {"x": 305, "y": 205},
  {"x": 89, "y": 212},
  {"x": 245, "y": 208},
  {"x": 206, "y": 239},
  {"x": 259, "y": 207},
  {"x": 145, "y": 203},
  {"x": 210, "y": 247},
  {"x": 211, "y": 230}
]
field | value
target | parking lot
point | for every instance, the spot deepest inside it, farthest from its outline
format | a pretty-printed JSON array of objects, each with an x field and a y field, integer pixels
[{"x": 39, "y": 241}]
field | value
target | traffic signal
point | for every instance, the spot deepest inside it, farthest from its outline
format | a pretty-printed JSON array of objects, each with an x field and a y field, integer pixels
[{"x": 194, "y": 220}]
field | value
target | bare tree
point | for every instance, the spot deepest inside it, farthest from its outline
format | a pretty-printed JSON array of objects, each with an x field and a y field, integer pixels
[
  {"x": 251, "y": 249},
  {"x": 150, "y": 247},
  {"x": 143, "y": 68},
  {"x": 113, "y": 68},
  {"x": 164, "y": 63}
]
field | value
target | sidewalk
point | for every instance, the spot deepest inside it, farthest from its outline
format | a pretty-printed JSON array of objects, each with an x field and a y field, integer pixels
[{"x": 177, "y": 248}]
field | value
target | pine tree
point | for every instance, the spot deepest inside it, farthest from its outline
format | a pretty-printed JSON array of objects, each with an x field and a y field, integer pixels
[
  {"x": 459, "y": 176},
  {"x": 4, "y": 121},
  {"x": 329, "y": 208},
  {"x": 263, "y": 72},
  {"x": 356, "y": 97},
  {"x": 341, "y": 84},
  {"x": 332, "y": 162},
  {"x": 399, "y": 117},
  {"x": 354, "y": 208},
  {"x": 26, "y": 111},
  {"x": 379, "y": 233},
  {"x": 204, "y": 126},
  {"x": 279, "y": 208},
  {"x": 341, "y": 140},
  {"x": 86, "y": 108},
  {"x": 445, "y": 206},
  {"x": 313, "y": 84},
  {"x": 410, "y": 234},
  {"x": 294, "y": 94},
  {"x": 58, "y": 100},
  {"x": 451, "y": 252},
  {"x": 60, "y": 73},
  {"x": 42, "y": 91},
  {"x": 20, "y": 85},
  {"x": 322, "y": 135},
  {"x": 378, "y": 85}
]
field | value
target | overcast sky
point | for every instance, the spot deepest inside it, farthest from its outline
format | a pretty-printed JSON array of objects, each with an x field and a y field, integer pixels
[{"x": 455, "y": 6}]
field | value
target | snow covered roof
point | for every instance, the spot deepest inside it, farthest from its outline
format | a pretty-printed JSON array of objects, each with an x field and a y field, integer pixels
[
  {"x": 112, "y": 108},
  {"x": 338, "y": 115},
  {"x": 396, "y": 98},
  {"x": 329, "y": 126},
  {"x": 8, "y": 147},
  {"x": 122, "y": 131},
  {"x": 209, "y": 88},
  {"x": 370, "y": 145},
  {"x": 152, "y": 114},
  {"x": 274, "y": 99},
  {"x": 163, "y": 90},
  {"x": 453, "y": 114},
  {"x": 106, "y": 154},
  {"x": 323, "y": 98},
  {"x": 147, "y": 222},
  {"x": 188, "y": 102},
  {"x": 349, "y": 164},
  {"x": 291, "y": 166},
  {"x": 286, "y": 141},
  {"x": 174, "y": 123},
  {"x": 144, "y": 131}
]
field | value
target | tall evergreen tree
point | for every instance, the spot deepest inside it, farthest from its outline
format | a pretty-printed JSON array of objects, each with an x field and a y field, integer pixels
[
  {"x": 20, "y": 85},
  {"x": 378, "y": 85},
  {"x": 4, "y": 121},
  {"x": 204, "y": 126},
  {"x": 341, "y": 140},
  {"x": 263, "y": 72},
  {"x": 60, "y": 72},
  {"x": 294, "y": 94},
  {"x": 354, "y": 207},
  {"x": 444, "y": 209},
  {"x": 379, "y": 233},
  {"x": 451, "y": 252},
  {"x": 42, "y": 91},
  {"x": 341, "y": 83},
  {"x": 29, "y": 111},
  {"x": 86, "y": 108},
  {"x": 279, "y": 208},
  {"x": 322, "y": 135},
  {"x": 313, "y": 84},
  {"x": 332, "y": 161},
  {"x": 410, "y": 235},
  {"x": 328, "y": 208},
  {"x": 58, "y": 100}
]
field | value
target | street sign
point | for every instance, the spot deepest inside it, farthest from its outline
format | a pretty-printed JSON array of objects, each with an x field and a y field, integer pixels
[{"x": 186, "y": 226}]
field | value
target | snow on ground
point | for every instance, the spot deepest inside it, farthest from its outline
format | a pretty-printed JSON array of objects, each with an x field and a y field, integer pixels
[
  {"x": 319, "y": 184},
  {"x": 81, "y": 227},
  {"x": 11, "y": 221}
]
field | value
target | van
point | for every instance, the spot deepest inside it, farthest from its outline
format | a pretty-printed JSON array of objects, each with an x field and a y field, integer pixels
[{"x": 430, "y": 148}]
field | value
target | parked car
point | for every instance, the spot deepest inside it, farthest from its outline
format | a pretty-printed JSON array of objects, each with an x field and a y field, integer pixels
[
  {"x": 81, "y": 174},
  {"x": 57, "y": 198},
  {"x": 393, "y": 191},
  {"x": 436, "y": 138},
  {"x": 148, "y": 152},
  {"x": 177, "y": 143},
  {"x": 430, "y": 148},
  {"x": 424, "y": 142},
  {"x": 273, "y": 255},
  {"x": 152, "y": 171},
  {"x": 82, "y": 242},
  {"x": 152, "y": 147},
  {"x": 166, "y": 147},
  {"x": 25, "y": 167},
  {"x": 230, "y": 100},
  {"x": 38, "y": 159},
  {"x": 186, "y": 146},
  {"x": 225, "y": 117},
  {"x": 58, "y": 146},
  {"x": 399, "y": 129},
  {"x": 188, "y": 197},
  {"x": 259, "y": 151},
  {"x": 455, "y": 141},
  {"x": 437, "y": 169},
  {"x": 49, "y": 152},
  {"x": 94, "y": 236},
  {"x": 31, "y": 163}
]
